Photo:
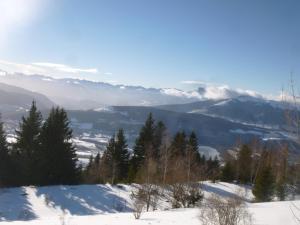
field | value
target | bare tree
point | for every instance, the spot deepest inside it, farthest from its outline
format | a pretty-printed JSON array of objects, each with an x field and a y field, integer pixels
[
  {"x": 165, "y": 155},
  {"x": 138, "y": 204},
  {"x": 224, "y": 211}
]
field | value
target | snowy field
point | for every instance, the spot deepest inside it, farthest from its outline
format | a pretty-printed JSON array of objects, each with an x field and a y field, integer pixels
[{"x": 106, "y": 204}]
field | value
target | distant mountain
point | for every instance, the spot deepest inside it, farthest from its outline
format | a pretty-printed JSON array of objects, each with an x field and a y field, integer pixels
[
  {"x": 83, "y": 94},
  {"x": 218, "y": 133},
  {"x": 14, "y": 99},
  {"x": 242, "y": 109},
  {"x": 92, "y": 128},
  {"x": 220, "y": 116}
]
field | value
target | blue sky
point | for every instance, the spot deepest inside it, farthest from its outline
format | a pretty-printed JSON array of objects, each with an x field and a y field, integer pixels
[{"x": 159, "y": 43}]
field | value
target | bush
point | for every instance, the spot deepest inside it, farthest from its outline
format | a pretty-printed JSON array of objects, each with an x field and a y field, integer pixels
[
  {"x": 224, "y": 211},
  {"x": 186, "y": 195}
]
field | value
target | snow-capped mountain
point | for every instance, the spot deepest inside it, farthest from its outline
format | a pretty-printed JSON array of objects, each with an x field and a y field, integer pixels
[
  {"x": 219, "y": 115},
  {"x": 248, "y": 110},
  {"x": 84, "y": 94}
]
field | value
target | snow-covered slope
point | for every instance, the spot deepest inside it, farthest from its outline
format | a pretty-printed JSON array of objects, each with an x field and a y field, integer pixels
[{"x": 106, "y": 204}]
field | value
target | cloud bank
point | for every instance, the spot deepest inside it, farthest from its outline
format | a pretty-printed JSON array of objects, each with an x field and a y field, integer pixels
[
  {"x": 214, "y": 91},
  {"x": 54, "y": 70}
]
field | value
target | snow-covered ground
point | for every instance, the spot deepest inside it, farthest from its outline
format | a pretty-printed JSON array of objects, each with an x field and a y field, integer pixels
[{"x": 106, "y": 204}]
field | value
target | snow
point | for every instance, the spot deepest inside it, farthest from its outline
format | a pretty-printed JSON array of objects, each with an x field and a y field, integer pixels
[
  {"x": 209, "y": 152},
  {"x": 84, "y": 144},
  {"x": 240, "y": 131},
  {"x": 224, "y": 102},
  {"x": 11, "y": 138},
  {"x": 104, "y": 109},
  {"x": 106, "y": 204},
  {"x": 179, "y": 93}
]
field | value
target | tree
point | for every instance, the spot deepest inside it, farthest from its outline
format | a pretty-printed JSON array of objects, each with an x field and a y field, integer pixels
[
  {"x": 91, "y": 174},
  {"x": 281, "y": 189},
  {"x": 122, "y": 155},
  {"x": 115, "y": 159},
  {"x": 109, "y": 163},
  {"x": 224, "y": 211},
  {"x": 5, "y": 168},
  {"x": 228, "y": 172},
  {"x": 28, "y": 146},
  {"x": 59, "y": 161},
  {"x": 213, "y": 168},
  {"x": 192, "y": 157},
  {"x": 143, "y": 146},
  {"x": 244, "y": 164},
  {"x": 264, "y": 186},
  {"x": 179, "y": 145},
  {"x": 158, "y": 139}
]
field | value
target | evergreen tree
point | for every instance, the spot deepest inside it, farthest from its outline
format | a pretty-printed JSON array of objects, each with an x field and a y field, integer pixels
[
  {"x": 115, "y": 160},
  {"x": 59, "y": 160},
  {"x": 122, "y": 156},
  {"x": 179, "y": 145},
  {"x": 5, "y": 166},
  {"x": 96, "y": 160},
  {"x": 193, "y": 146},
  {"x": 143, "y": 146},
  {"x": 91, "y": 174},
  {"x": 109, "y": 163},
  {"x": 192, "y": 158},
  {"x": 28, "y": 146},
  {"x": 159, "y": 135},
  {"x": 228, "y": 172},
  {"x": 281, "y": 189},
  {"x": 213, "y": 168},
  {"x": 245, "y": 164},
  {"x": 264, "y": 186}
]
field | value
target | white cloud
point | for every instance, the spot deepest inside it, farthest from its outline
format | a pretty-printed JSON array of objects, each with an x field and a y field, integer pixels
[
  {"x": 192, "y": 82},
  {"x": 180, "y": 93},
  {"x": 48, "y": 69},
  {"x": 107, "y": 73},
  {"x": 219, "y": 91},
  {"x": 64, "y": 68}
]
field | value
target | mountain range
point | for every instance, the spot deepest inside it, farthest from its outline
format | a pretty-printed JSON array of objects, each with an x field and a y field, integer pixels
[{"x": 220, "y": 117}]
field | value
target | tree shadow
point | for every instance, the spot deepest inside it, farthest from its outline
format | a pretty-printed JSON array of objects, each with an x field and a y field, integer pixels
[
  {"x": 15, "y": 205},
  {"x": 84, "y": 199},
  {"x": 224, "y": 193}
]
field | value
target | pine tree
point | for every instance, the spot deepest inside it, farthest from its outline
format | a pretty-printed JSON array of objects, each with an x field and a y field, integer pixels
[
  {"x": 264, "y": 186},
  {"x": 28, "y": 146},
  {"x": 193, "y": 145},
  {"x": 59, "y": 160},
  {"x": 228, "y": 172},
  {"x": 281, "y": 189},
  {"x": 143, "y": 146},
  {"x": 115, "y": 160},
  {"x": 109, "y": 167},
  {"x": 5, "y": 168},
  {"x": 179, "y": 144},
  {"x": 91, "y": 174},
  {"x": 213, "y": 168},
  {"x": 159, "y": 135},
  {"x": 122, "y": 155},
  {"x": 245, "y": 164},
  {"x": 192, "y": 156}
]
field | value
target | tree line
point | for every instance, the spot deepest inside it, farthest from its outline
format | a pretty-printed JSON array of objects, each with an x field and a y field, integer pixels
[
  {"x": 44, "y": 154},
  {"x": 155, "y": 158}
]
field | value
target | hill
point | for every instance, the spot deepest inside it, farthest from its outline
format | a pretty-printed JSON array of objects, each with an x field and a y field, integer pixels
[{"x": 102, "y": 204}]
